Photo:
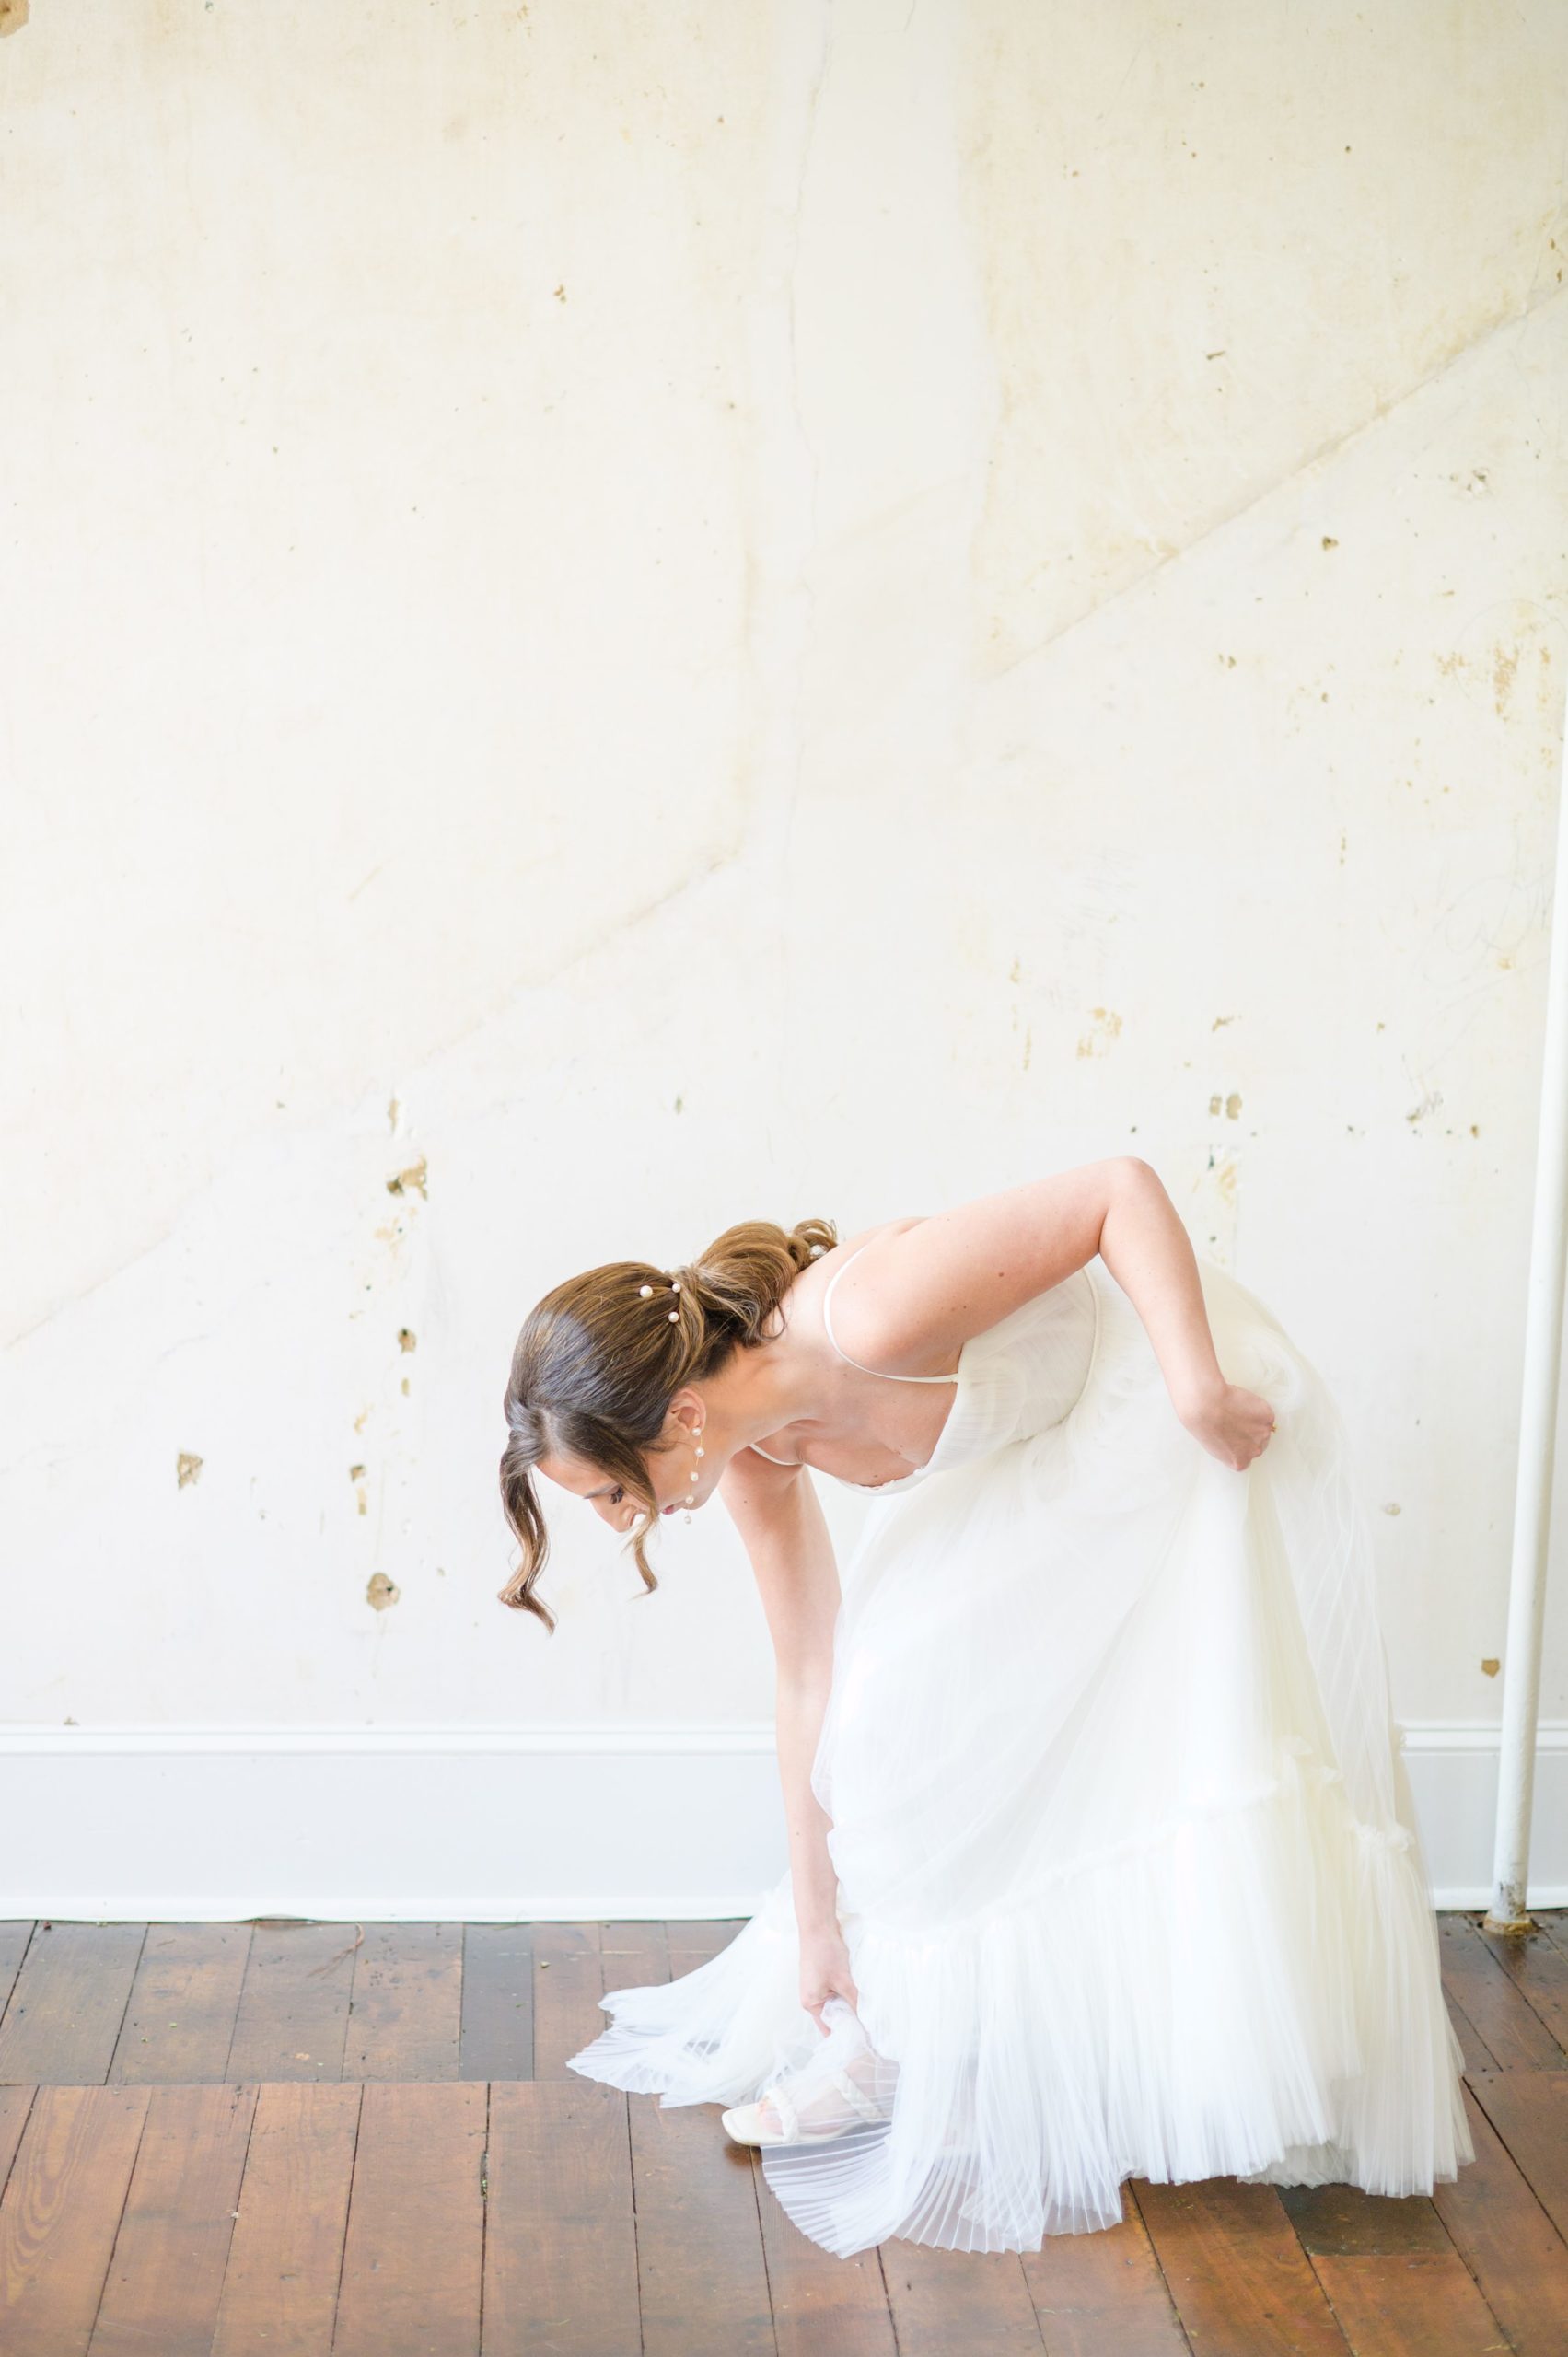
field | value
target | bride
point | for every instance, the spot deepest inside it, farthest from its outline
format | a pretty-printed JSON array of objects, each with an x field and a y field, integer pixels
[{"x": 1103, "y": 1861}]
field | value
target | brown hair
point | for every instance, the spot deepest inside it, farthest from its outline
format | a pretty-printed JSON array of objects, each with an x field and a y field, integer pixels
[{"x": 596, "y": 1365}]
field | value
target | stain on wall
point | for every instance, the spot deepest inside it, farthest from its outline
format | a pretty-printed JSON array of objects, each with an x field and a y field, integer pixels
[{"x": 1201, "y": 274}]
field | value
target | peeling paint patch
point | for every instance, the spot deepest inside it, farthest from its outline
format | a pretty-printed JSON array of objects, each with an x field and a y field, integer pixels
[
  {"x": 380, "y": 1592},
  {"x": 1491, "y": 1665},
  {"x": 1496, "y": 666},
  {"x": 13, "y": 17},
  {"x": 356, "y": 1475},
  {"x": 1390, "y": 1509},
  {"x": 1104, "y": 1029},
  {"x": 187, "y": 1468},
  {"x": 406, "y": 1341},
  {"x": 415, "y": 1176},
  {"x": 1505, "y": 663}
]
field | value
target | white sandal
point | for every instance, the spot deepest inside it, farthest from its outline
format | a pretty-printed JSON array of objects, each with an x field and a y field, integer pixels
[
  {"x": 744, "y": 2124},
  {"x": 832, "y": 2102}
]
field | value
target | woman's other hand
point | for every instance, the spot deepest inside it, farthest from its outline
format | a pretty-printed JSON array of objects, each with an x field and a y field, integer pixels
[{"x": 1233, "y": 1424}]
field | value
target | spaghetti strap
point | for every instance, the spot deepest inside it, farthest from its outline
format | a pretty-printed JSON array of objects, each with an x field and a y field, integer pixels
[{"x": 827, "y": 1322}]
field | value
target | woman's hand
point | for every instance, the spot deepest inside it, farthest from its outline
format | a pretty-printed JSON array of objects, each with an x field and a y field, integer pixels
[
  {"x": 1232, "y": 1424},
  {"x": 824, "y": 1972}
]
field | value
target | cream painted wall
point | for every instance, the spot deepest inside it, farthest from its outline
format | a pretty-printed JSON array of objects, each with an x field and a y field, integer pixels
[{"x": 619, "y": 618}]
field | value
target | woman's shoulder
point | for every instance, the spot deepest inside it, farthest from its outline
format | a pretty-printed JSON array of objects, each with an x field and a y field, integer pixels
[
  {"x": 866, "y": 1313},
  {"x": 905, "y": 1309},
  {"x": 808, "y": 1291},
  {"x": 853, "y": 1246},
  {"x": 847, "y": 1245}
]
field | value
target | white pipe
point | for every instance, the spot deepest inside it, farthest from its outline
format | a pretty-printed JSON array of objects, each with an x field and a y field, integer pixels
[{"x": 1537, "y": 1432}]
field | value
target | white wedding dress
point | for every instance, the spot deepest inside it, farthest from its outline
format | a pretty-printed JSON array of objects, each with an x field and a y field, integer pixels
[{"x": 1127, "y": 1866}]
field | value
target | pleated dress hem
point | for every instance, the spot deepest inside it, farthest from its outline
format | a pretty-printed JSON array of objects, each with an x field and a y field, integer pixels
[{"x": 1278, "y": 2036}]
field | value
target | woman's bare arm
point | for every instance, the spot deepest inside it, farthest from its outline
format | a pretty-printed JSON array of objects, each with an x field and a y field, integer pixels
[
  {"x": 914, "y": 1297},
  {"x": 782, "y": 1527},
  {"x": 1149, "y": 1252}
]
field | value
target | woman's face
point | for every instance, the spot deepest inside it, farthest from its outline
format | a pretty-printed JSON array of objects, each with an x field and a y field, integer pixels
[{"x": 676, "y": 1474}]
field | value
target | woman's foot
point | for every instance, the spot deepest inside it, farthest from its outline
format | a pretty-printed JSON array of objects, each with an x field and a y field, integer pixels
[{"x": 825, "y": 2098}]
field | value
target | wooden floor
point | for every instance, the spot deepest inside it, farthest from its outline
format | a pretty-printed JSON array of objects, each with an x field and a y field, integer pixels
[{"x": 281, "y": 2140}]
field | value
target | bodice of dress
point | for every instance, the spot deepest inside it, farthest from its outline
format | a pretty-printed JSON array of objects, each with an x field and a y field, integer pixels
[{"x": 1019, "y": 1376}]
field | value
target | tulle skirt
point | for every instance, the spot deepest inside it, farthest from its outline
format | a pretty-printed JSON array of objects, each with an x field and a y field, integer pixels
[{"x": 1127, "y": 1870}]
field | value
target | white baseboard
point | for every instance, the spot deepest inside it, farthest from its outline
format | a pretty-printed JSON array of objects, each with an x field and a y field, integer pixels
[
  {"x": 1453, "y": 1775},
  {"x": 581, "y": 1822}
]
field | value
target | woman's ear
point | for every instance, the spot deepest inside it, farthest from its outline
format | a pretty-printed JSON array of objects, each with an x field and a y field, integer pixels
[{"x": 687, "y": 1408}]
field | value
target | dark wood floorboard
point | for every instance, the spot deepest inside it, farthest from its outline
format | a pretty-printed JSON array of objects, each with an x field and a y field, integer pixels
[
  {"x": 948, "y": 2300},
  {"x": 165, "y": 2278},
  {"x": 413, "y": 2253},
  {"x": 1528, "y": 2109},
  {"x": 1240, "y": 2282},
  {"x": 694, "y": 1943},
  {"x": 179, "y": 2022},
  {"x": 15, "y": 1940},
  {"x": 1537, "y": 1966},
  {"x": 560, "y": 2228},
  {"x": 497, "y": 2026},
  {"x": 405, "y": 2016},
  {"x": 1501, "y": 2012},
  {"x": 634, "y": 1955},
  {"x": 15, "y": 2103},
  {"x": 568, "y": 1983},
  {"x": 822, "y": 2304},
  {"x": 61, "y": 2212},
  {"x": 703, "y": 2274},
  {"x": 1391, "y": 2271},
  {"x": 67, "y": 2003},
  {"x": 329, "y": 2140},
  {"x": 280, "y": 2290},
  {"x": 1094, "y": 2294},
  {"x": 294, "y": 2002},
  {"x": 1508, "y": 2242}
]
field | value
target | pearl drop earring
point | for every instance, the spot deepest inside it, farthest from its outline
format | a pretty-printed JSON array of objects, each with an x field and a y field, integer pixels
[{"x": 644, "y": 1293}]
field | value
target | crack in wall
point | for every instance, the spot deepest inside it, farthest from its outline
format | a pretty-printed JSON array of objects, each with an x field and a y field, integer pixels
[{"x": 1325, "y": 451}]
